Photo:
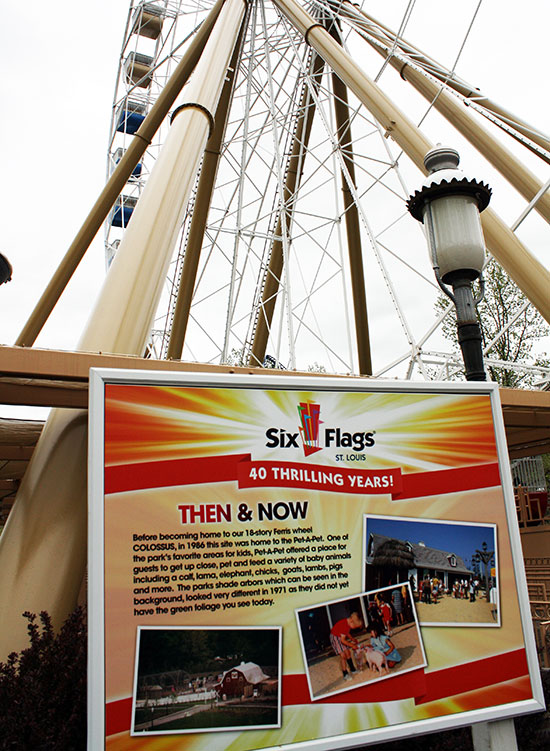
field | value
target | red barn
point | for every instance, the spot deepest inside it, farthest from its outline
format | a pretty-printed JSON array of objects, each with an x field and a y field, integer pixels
[{"x": 241, "y": 680}]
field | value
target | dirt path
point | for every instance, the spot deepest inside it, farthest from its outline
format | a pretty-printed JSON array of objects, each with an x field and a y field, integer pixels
[
  {"x": 326, "y": 675},
  {"x": 448, "y": 609}
]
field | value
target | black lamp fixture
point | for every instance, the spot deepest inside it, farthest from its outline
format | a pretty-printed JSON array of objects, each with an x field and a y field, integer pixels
[
  {"x": 449, "y": 204},
  {"x": 5, "y": 269}
]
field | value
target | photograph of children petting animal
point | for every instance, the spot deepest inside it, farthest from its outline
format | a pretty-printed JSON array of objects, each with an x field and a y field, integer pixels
[
  {"x": 359, "y": 640},
  {"x": 452, "y": 568}
]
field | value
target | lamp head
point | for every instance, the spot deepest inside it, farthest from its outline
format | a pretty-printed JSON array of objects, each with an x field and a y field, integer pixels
[
  {"x": 6, "y": 269},
  {"x": 449, "y": 204}
]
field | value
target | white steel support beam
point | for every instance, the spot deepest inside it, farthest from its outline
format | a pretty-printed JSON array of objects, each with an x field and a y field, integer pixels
[{"x": 450, "y": 78}]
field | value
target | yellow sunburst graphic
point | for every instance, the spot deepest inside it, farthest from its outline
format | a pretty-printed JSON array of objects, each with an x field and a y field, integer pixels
[{"x": 417, "y": 432}]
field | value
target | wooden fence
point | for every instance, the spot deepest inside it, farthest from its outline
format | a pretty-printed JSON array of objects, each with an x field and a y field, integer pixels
[{"x": 537, "y": 571}]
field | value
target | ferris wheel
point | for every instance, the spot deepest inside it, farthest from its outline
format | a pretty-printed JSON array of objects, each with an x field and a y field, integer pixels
[
  {"x": 289, "y": 242},
  {"x": 296, "y": 249}
]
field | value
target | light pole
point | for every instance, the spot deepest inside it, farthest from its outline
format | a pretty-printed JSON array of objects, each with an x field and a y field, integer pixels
[
  {"x": 485, "y": 556},
  {"x": 449, "y": 204}
]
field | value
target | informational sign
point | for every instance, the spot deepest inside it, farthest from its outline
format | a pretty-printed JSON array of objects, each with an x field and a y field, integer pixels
[{"x": 279, "y": 560}]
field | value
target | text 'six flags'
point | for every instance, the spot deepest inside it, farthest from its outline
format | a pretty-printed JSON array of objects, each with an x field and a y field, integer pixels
[{"x": 239, "y": 467}]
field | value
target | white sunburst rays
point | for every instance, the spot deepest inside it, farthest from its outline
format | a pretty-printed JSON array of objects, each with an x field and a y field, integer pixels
[
  {"x": 215, "y": 419},
  {"x": 334, "y": 720},
  {"x": 394, "y": 420},
  {"x": 386, "y": 416},
  {"x": 236, "y": 420},
  {"x": 340, "y": 718}
]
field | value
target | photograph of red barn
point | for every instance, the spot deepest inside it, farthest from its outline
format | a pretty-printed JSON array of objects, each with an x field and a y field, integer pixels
[
  {"x": 198, "y": 679},
  {"x": 246, "y": 679}
]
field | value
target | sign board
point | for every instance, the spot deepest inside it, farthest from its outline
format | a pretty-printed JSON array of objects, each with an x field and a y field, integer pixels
[{"x": 288, "y": 562}]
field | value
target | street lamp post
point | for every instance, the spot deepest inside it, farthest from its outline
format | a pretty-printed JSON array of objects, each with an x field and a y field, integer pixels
[
  {"x": 449, "y": 204},
  {"x": 485, "y": 556}
]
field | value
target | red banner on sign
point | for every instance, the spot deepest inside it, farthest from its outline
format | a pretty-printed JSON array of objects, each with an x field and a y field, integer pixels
[
  {"x": 455, "y": 480},
  {"x": 318, "y": 477},
  {"x": 250, "y": 474},
  {"x": 123, "y": 478}
]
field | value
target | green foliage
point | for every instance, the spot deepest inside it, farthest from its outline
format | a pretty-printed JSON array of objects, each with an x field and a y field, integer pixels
[
  {"x": 43, "y": 688},
  {"x": 501, "y": 303},
  {"x": 546, "y": 465},
  {"x": 195, "y": 650},
  {"x": 236, "y": 357},
  {"x": 316, "y": 368}
]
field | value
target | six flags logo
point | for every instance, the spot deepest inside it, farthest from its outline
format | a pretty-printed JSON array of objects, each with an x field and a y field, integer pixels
[
  {"x": 310, "y": 432},
  {"x": 309, "y": 429}
]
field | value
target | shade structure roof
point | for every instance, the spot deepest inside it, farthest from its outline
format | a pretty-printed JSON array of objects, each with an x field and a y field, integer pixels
[{"x": 424, "y": 557}]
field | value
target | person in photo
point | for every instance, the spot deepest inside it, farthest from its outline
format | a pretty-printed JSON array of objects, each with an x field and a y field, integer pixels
[
  {"x": 493, "y": 599},
  {"x": 342, "y": 642},
  {"x": 386, "y": 611},
  {"x": 382, "y": 643},
  {"x": 374, "y": 613},
  {"x": 397, "y": 602},
  {"x": 426, "y": 590}
]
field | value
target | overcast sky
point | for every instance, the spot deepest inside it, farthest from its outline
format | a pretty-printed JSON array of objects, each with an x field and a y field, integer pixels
[{"x": 60, "y": 67}]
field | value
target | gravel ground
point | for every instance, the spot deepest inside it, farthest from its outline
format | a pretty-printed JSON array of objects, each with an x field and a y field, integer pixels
[{"x": 448, "y": 609}]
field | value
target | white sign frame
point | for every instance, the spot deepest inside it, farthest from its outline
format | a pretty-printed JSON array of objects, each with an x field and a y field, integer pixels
[{"x": 96, "y": 615}]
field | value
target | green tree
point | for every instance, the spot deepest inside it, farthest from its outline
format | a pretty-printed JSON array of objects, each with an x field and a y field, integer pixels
[
  {"x": 497, "y": 311},
  {"x": 43, "y": 688},
  {"x": 316, "y": 368}
]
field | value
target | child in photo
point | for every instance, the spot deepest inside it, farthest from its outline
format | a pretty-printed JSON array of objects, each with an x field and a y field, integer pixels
[
  {"x": 342, "y": 642},
  {"x": 382, "y": 643},
  {"x": 386, "y": 611}
]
